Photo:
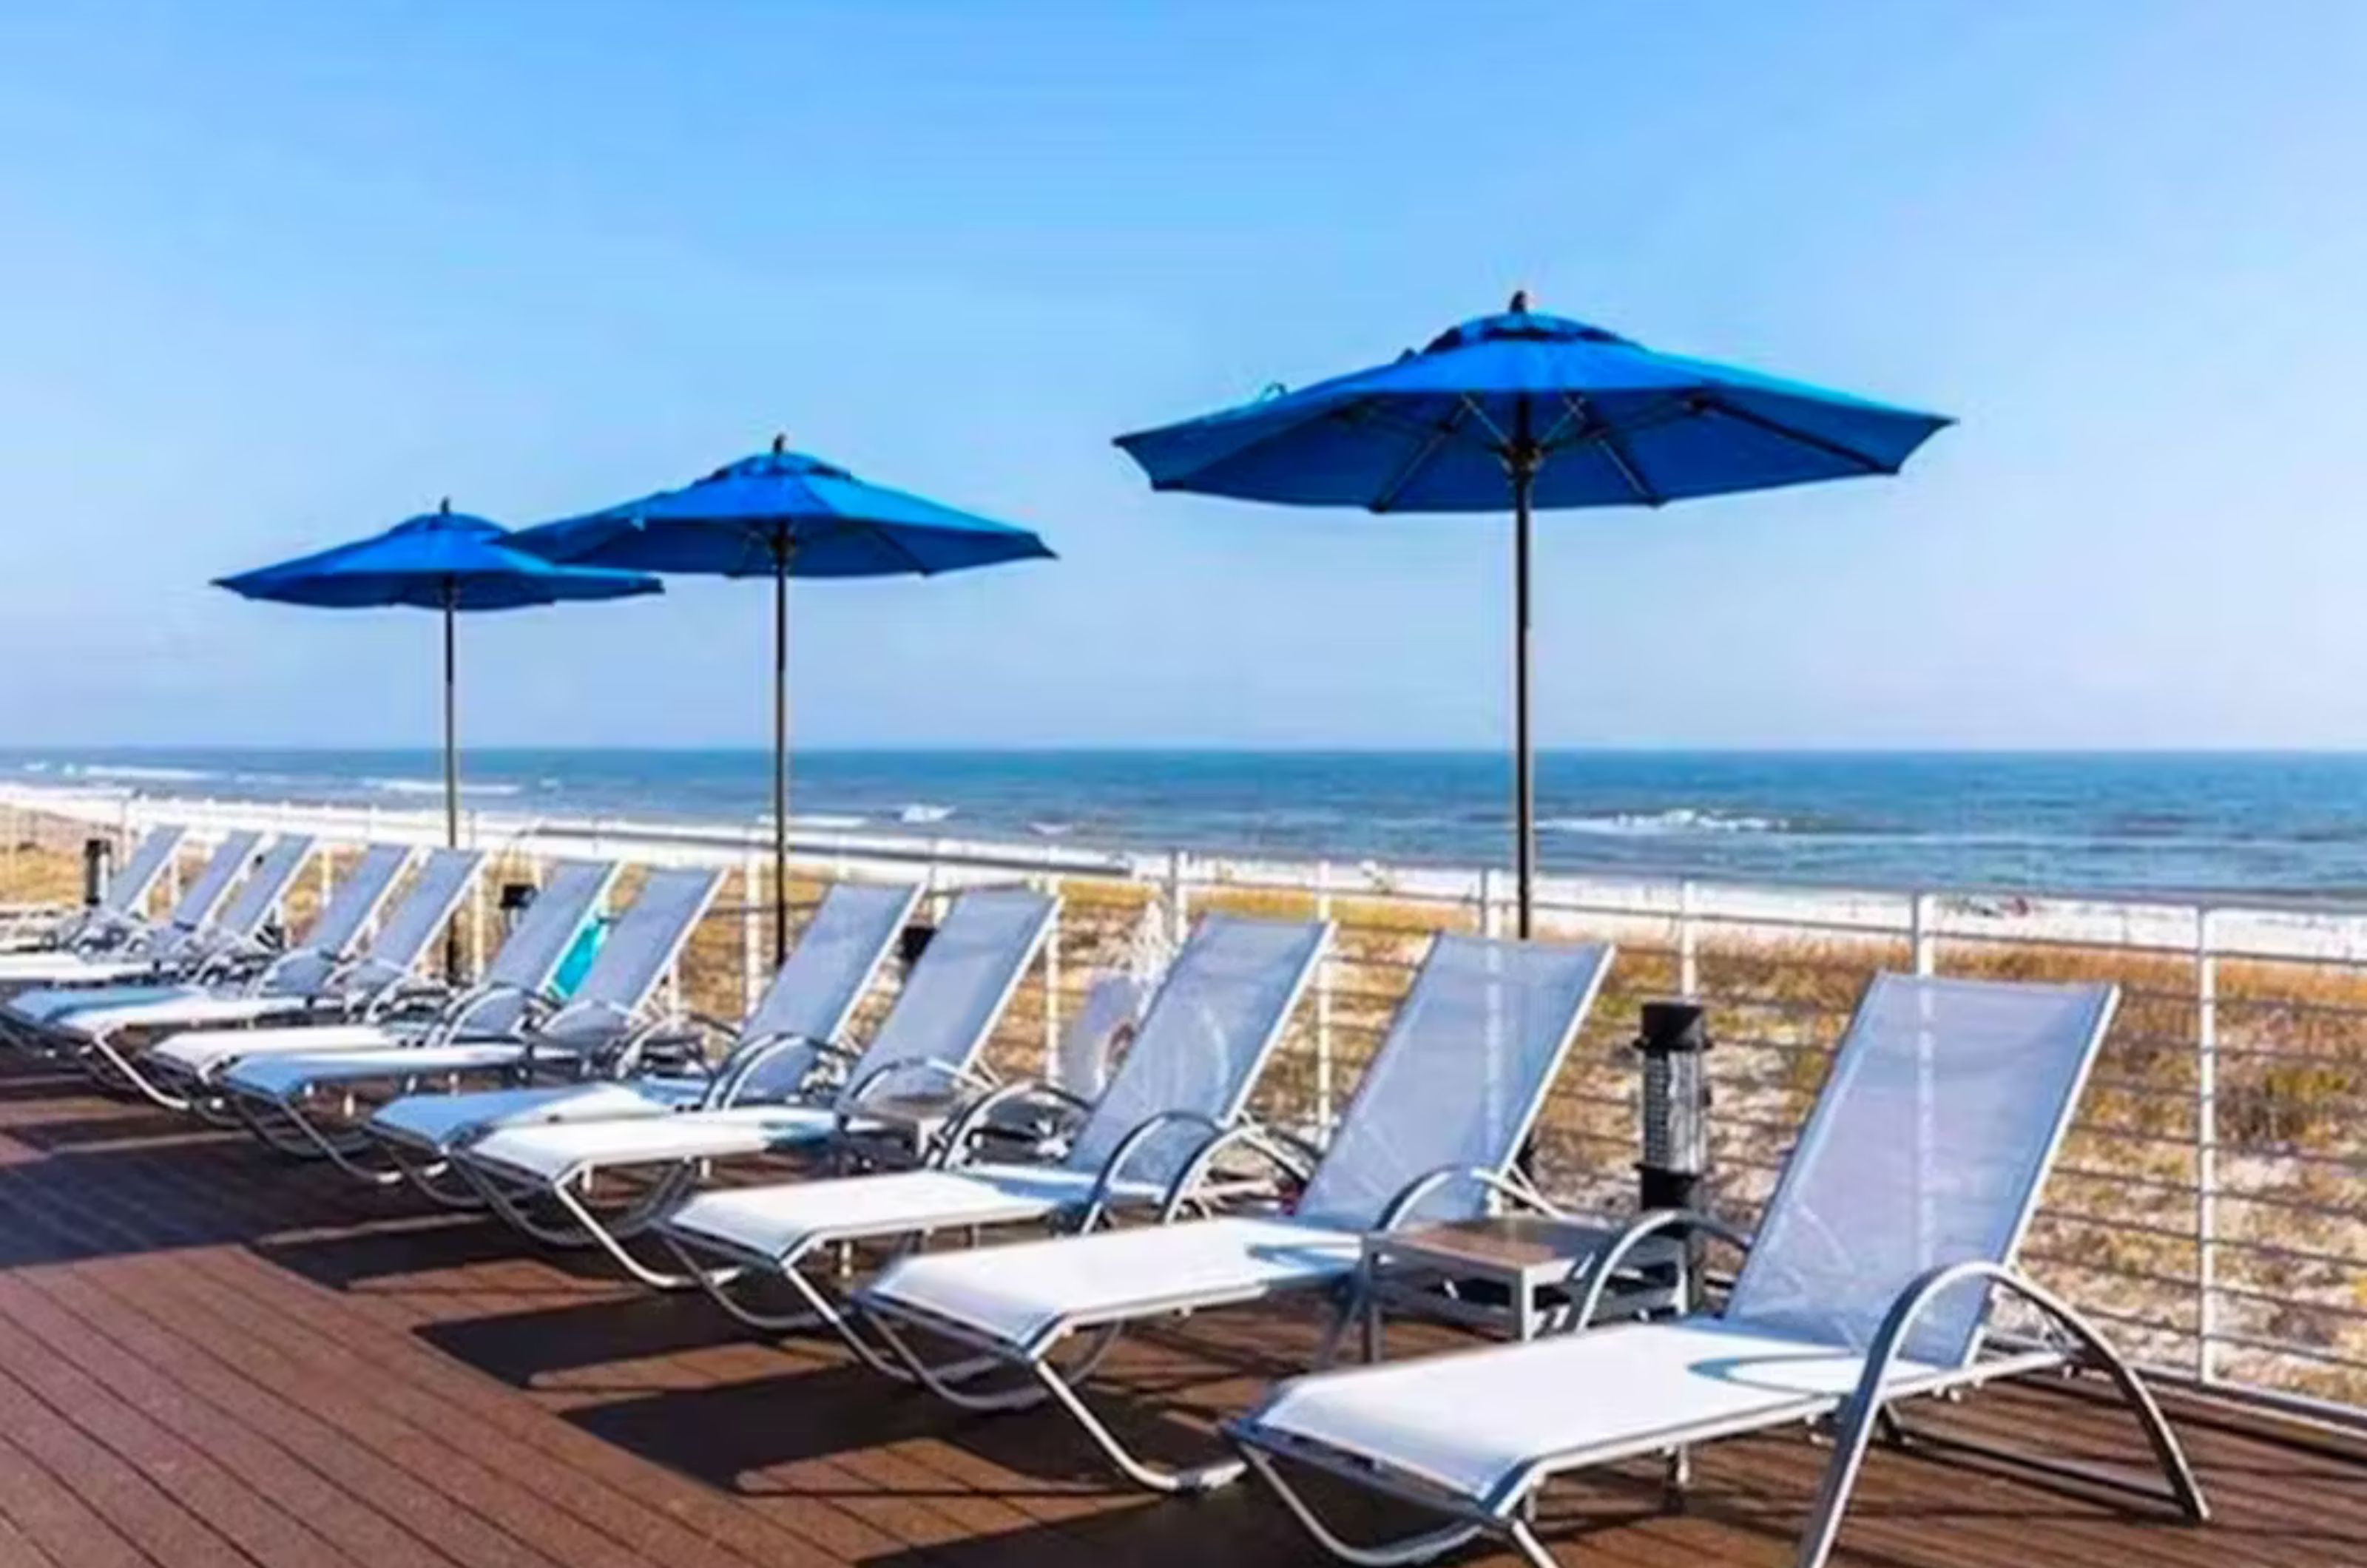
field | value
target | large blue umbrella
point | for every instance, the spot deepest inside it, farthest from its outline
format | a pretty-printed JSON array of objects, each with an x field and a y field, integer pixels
[
  {"x": 1544, "y": 411},
  {"x": 782, "y": 515},
  {"x": 446, "y": 562}
]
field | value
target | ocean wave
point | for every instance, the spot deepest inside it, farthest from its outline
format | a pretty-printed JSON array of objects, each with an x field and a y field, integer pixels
[
  {"x": 1051, "y": 829},
  {"x": 436, "y": 786},
  {"x": 1656, "y": 824},
  {"x": 130, "y": 771},
  {"x": 922, "y": 812}
]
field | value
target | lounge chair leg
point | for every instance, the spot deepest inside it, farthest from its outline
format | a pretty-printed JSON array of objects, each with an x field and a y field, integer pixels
[
  {"x": 313, "y": 1143},
  {"x": 1142, "y": 1472},
  {"x": 1391, "y": 1554},
  {"x": 1676, "y": 1480},
  {"x": 128, "y": 1075}
]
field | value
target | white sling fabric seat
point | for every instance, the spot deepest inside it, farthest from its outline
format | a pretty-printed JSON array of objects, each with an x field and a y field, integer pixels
[
  {"x": 520, "y": 971},
  {"x": 940, "y": 1021},
  {"x": 1454, "y": 1090},
  {"x": 186, "y": 935},
  {"x": 639, "y": 950},
  {"x": 956, "y": 991},
  {"x": 289, "y": 983},
  {"x": 803, "y": 1010},
  {"x": 1898, "y": 1216},
  {"x": 1185, "y": 1079},
  {"x": 209, "y": 1032},
  {"x": 115, "y": 919}
]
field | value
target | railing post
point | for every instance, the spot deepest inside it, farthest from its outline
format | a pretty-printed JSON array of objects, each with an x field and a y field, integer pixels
[
  {"x": 1179, "y": 909},
  {"x": 2206, "y": 1149},
  {"x": 1491, "y": 923},
  {"x": 1688, "y": 944},
  {"x": 1051, "y": 888},
  {"x": 752, "y": 936},
  {"x": 1922, "y": 943},
  {"x": 1323, "y": 1004}
]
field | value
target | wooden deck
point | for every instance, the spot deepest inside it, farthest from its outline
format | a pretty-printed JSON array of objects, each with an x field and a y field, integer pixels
[{"x": 211, "y": 1358}]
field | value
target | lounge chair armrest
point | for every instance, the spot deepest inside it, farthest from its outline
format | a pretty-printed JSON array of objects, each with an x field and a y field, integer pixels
[
  {"x": 736, "y": 1071},
  {"x": 1498, "y": 1183},
  {"x": 678, "y": 1034},
  {"x": 974, "y": 1118},
  {"x": 1607, "y": 1263},
  {"x": 1286, "y": 1153}
]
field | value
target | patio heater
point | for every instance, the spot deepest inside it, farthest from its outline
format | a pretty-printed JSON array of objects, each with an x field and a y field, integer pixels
[{"x": 1674, "y": 1041}]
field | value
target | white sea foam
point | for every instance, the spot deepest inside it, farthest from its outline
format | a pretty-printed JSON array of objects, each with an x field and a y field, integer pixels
[
  {"x": 128, "y": 770},
  {"x": 1657, "y": 824},
  {"x": 436, "y": 786},
  {"x": 925, "y": 813},
  {"x": 1050, "y": 829}
]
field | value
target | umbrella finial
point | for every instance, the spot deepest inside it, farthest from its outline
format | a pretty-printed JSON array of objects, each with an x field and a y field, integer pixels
[
  {"x": 443, "y": 507},
  {"x": 1520, "y": 304},
  {"x": 780, "y": 444}
]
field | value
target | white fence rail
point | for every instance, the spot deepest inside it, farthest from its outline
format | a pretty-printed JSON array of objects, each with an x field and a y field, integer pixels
[{"x": 2211, "y": 1202}]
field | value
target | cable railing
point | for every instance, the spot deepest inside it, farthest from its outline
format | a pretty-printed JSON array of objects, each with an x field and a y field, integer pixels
[{"x": 2211, "y": 1202}]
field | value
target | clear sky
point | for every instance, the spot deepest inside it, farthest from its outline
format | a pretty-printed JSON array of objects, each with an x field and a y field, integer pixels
[{"x": 275, "y": 274}]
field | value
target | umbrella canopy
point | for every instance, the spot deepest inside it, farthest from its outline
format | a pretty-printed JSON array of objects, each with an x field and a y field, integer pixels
[
  {"x": 1536, "y": 410},
  {"x": 782, "y": 515},
  {"x": 446, "y": 561}
]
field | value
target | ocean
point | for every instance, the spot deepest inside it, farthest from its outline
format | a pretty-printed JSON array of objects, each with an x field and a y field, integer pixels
[{"x": 2292, "y": 825}]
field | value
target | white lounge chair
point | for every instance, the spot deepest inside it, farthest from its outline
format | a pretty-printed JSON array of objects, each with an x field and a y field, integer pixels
[
  {"x": 924, "y": 1055},
  {"x": 189, "y": 1033},
  {"x": 1870, "y": 1281},
  {"x": 276, "y": 1094},
  {"x": 419, "y": 1011},
  {"x": 235, "y": 945},
  {"x": 115, "y": 918},
  {"x": 1431, "y": 1135},
  {"x": 350, "y": 908},
  {"x": 182, "y": 940},
  {"x": 1182, "y": 1083},
  {"x": 796, "y": 1024}
]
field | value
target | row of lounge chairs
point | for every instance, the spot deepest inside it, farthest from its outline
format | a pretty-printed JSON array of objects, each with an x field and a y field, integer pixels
[{"x": 595, "y": 1121}]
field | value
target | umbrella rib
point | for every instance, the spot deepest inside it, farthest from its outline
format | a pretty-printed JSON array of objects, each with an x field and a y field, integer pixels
[
  {"x": 1614, "y": 447},
  {"x": 1847, "y": 454},
  {"x": 1437, "y": 436}
]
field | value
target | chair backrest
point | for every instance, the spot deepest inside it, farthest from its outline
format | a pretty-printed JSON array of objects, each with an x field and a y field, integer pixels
[
  {"x": 205, "y": 892},
  {"x": 539, "y": 942},
  {"x": 1107, "y": 1017},
  {"x": 352, "y": 904},
  {"x": 837, "y": 957},
  {"x": 1928, "y": 1145},
  {"x": 357, "y": 898},
  {"x": 1460, "y": 1077},
  {"x": 436, "y": 891},
  {"x": 962, "y": 981},
  {"x": 1216, "y": 1020},
  {"x": 258, "y": 896},
  {"x": 634, "y": 957},
  {"x": 140, "y": 870}
]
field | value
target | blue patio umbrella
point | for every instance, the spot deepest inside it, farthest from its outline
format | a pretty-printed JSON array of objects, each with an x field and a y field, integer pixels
[
  {"x": 781, "y": 514},
  {"x": 445, "y": 561},
  {"x": 1536, "y": 410}
]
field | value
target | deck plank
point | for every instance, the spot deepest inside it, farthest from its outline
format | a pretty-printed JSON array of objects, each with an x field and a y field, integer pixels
[{"x": 209, "y": 1356}]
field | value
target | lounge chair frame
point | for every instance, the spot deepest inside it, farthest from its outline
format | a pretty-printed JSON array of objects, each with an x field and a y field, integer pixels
[
  {"x": 1869, "y": 1410},
  {"x": 820, "y": 1308},
  {"x": 1043, "y": 1381}
]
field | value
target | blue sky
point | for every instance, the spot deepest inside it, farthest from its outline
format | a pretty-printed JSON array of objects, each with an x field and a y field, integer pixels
[{"x": 276, "y": 274}]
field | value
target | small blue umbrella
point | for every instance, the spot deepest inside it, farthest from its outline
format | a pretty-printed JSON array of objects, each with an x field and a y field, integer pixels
[
  {"x": 782, "y": 515},
  {"x": 1544, "y": 411},
  {"x": 444, "y": 560}
]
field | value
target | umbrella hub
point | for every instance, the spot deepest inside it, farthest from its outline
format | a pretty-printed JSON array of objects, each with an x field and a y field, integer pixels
[
  {"x": 1520, "y": 326},
  {"x": 780, "y": 463},
  {"x": 444, "y": 520}
]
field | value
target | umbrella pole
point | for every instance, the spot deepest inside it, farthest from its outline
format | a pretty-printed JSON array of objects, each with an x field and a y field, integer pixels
[
  {"x": 451, "y": 767},
  {"x": 780, "y": 752},
  {"x": 1524, "y": 461}
]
